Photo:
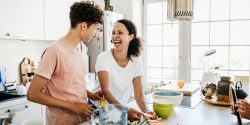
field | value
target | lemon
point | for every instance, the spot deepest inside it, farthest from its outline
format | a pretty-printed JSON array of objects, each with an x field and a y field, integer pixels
[{"x": 102, "y": 104}]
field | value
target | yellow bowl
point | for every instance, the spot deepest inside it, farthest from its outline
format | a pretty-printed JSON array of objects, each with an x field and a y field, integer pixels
[{"x": 163, "y": 110}]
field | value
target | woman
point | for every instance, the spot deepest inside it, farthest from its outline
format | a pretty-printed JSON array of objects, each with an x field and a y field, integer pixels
[{"x": 120, "y": 69}]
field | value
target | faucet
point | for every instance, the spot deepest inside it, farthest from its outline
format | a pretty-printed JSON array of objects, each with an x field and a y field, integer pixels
[{"x": 7, "y": 119}]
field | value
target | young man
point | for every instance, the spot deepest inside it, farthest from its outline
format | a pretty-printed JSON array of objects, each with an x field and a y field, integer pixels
[{"x": 59, "y": 82}]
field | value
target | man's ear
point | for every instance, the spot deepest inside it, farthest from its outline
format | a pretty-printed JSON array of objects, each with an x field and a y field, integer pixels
[{"x": 84, "y": 26}]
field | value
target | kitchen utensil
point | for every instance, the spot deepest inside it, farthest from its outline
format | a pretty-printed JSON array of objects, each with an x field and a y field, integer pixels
[
  {"x": 241, "y": 94},
  {"x": 114, "y": 115},
  {"x": 235, "y": 100},
  {"x": 188, "y": 89},
  {"x": 27, "y": 69}
]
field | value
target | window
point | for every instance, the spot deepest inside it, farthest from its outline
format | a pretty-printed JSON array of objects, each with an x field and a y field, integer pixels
[
  {"x": 225, "y": 28},
  {"x": 161, "y": 43},
  {"x": 223, "y": 25}
]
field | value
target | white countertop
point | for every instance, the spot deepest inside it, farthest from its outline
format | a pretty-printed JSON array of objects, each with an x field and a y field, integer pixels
[
  {"x": 13, "y": 102},
  {"x": 203, "y": 114}
]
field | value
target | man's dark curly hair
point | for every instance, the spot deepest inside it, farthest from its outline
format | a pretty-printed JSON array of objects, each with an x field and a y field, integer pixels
[{"x": 85, "y": 12}]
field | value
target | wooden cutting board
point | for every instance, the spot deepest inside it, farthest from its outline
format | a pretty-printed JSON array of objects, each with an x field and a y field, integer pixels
[
  {"x": 188, "y": 89},
  {"x": 27, "y": 69}
]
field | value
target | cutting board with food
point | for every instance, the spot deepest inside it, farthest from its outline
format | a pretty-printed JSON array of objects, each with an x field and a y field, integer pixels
[{"x": 185, "y": 88}]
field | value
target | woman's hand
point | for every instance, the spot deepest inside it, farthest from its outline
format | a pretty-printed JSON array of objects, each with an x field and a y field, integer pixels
[
  {"x": 150, "y": 115},
  {"x": 95, "y": 96}
]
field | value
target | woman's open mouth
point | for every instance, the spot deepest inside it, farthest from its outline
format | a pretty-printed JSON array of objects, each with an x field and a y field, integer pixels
[{"x": 117, "y": 43}]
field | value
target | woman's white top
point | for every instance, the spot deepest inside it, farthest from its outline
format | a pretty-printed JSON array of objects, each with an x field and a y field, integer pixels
[{"x": 120, "y": 78}]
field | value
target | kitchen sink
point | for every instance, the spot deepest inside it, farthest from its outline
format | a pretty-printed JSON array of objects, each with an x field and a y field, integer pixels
[{"x": 9, "y": 96}]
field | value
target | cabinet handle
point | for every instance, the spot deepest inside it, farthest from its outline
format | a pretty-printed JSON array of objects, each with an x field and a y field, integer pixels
[
  {"x": 15, "y": 35},
  {"x": 17, "y": 109}
]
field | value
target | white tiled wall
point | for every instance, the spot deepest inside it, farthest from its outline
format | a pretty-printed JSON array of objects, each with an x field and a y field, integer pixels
[{"x": 13, "y": 51}]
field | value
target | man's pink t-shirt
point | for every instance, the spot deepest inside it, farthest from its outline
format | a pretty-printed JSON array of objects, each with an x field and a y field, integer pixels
[{"x": 65, "y": 71}]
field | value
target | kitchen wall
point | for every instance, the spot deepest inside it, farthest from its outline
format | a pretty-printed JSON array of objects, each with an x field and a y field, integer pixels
[
  {"x": 13, "y": 51},
  {"x": 132, "y": 9}
]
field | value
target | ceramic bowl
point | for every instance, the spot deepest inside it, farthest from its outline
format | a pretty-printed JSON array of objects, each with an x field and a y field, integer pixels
[
  {"x": 163, "y": 111},
  {"x": 166, "y": 97},
  {"x": 164, "y": 102}
]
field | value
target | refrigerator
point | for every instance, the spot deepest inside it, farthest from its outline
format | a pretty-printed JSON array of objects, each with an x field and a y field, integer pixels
[{"x": 102, "y": 41}]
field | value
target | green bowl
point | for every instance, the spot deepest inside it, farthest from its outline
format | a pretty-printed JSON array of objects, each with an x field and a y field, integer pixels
[
  {"x": 162, "y": 105},
  {"x": 163, "y": 110}
]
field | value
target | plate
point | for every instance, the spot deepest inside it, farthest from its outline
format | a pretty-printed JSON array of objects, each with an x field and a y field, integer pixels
[{"x": 214, "y": 101}]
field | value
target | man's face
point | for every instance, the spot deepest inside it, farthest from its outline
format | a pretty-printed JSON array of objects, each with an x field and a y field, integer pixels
[{"x": 91, "y": 31}]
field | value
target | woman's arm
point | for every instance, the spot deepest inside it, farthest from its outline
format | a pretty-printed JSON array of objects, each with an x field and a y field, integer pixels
[
  {"x": 95, "y": 96},
  {"x": 104, "y": 82},
  {"x": 36, "y": 94},
  {"x": 138, "y": 93}
]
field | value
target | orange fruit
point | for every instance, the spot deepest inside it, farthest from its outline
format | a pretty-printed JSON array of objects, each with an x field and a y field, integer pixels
[{"x": 180, "y": 84}]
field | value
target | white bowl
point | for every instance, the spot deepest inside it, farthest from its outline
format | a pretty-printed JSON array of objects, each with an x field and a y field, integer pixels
[{"x": 167, "y": 97}]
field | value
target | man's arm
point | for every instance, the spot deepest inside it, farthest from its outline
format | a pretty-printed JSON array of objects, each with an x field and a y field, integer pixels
[{"x": 36, "y": 94}]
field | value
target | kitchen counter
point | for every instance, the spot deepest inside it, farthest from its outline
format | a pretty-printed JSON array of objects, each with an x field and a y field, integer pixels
[
  {"x": 13, "y": 102},
  {"x": 203, "y": 114},
  {"x": 19, "y": 110}
]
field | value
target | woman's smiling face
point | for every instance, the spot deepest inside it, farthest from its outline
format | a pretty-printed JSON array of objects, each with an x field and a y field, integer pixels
[{"x": 120, "y": 36}]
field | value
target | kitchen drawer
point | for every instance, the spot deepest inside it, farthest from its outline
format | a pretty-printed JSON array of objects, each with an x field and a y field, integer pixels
[{"x": 22, "y": 112}]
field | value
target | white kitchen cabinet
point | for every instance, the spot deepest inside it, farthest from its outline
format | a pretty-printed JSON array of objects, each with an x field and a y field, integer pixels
[
  {"x": 24, "y": 112},
  {"x": 22, "y": 19},
  {"x": 57, "y": 22}
]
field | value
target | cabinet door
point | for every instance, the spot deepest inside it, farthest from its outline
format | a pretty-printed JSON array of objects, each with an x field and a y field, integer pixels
[
  {"x": 57, "y": 22},
  {"x": 32, "y": 111},
  {"x": 23, "y": 112},
  {"x": 22, "y": 19}
]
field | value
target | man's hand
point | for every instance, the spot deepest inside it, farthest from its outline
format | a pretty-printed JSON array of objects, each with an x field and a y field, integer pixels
[
  {"x": 95, "y": 96},
  {"x": 82, "y": 109},
  {"x": 133, "y": 115}
]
